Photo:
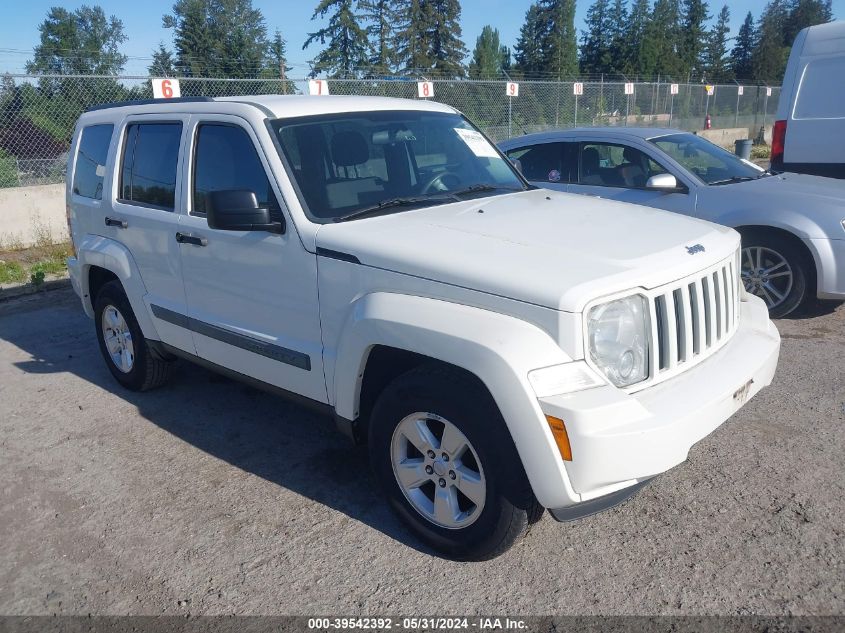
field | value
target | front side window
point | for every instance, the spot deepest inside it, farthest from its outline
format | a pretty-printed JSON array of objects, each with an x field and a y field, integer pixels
[
  {"x": 225, "y": 159},
  {"x": 615, "y": 165},
  {"x": 711, "y": 163},
  {"x": 90, "y": 166},
  {"x": 148, "y": 168},
  {"x": 349, "y": 164}
]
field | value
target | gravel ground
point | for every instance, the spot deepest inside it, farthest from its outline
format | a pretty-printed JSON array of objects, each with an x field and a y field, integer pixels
[{"x": 208, "y": 497}]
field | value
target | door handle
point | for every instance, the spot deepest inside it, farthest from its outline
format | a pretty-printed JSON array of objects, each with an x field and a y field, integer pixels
[
  {"x": 191, "y": 239},
  {"x": 121, "y": 224}
]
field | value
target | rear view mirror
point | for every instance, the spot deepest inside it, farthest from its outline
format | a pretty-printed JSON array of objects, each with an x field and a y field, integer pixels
[
  {"x": 663, "y": 182},
  {"x": 238, "y": 210}
]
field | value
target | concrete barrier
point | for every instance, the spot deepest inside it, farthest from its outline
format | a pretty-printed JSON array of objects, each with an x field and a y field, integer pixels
[
  {"x": 725, "y": 136},
  {"x": 31, "y": 214}
]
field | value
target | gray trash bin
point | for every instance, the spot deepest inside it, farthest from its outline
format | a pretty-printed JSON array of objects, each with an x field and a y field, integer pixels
[{"x": 742, "y": 148}]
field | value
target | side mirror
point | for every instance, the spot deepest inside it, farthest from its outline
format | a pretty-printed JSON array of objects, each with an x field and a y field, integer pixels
[
  {"x": 238, "y": 210},
  {"x": 664, "y": 182}
]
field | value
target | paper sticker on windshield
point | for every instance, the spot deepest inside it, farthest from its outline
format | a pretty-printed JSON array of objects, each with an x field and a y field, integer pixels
[{"x": 479, "y": 145}]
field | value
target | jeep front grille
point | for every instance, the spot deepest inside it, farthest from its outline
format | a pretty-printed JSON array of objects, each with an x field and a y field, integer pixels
[{"x": 691, "y": 319}]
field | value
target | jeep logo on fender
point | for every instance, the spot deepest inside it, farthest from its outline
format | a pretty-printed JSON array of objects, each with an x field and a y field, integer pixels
[{"x": 695, "y": 248}]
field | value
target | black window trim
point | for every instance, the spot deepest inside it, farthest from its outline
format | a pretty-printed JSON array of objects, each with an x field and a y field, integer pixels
[
  {"x": 193, "y": 158},
  {"x": 73, "y": 191},
  {"x": 129, "y": 122}
]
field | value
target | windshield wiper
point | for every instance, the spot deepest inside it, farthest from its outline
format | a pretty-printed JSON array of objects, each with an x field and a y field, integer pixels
[
  {"x": 733, "y": 179},
  {"x": 393, "y": 203},
  {"x": 478, "y": 188}
]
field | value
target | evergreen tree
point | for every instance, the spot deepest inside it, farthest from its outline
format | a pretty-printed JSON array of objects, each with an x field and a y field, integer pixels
[
  {"x": 693, "y": 36},
  {"x": 560, "y": 47},
  {"x": 193, "y": 38},
  {"x": 347, "y": 41},
  {"x": 447, "y": 49},
  {"x": 218, "y": 37},
  {"x": 276, "y": 65},
  {"x": 596, "y": 40},
  {"x": 411, "y": 38},
  {"x": 661, "y": 48},
  {"x": 381, "y": 17},
  {"x": 489, "y": 56},
  {"x": 83, "y": 42},
  {"x": 742, "y": 50},
  {"x": 429, "y": 40},
  {"x": 804, "y": 13},
  {"x": 635, "y": 32},
  {"x": 618, "y": 21},
  {"x": 715, "y": 59},
  {"x": 528, "y": 52},
  {"x": 768, "y": 59},
  {"x": 162, "y": 65}
]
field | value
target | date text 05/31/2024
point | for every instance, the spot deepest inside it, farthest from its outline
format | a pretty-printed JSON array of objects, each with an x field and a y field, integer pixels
[{"x": 417, "y": 623}]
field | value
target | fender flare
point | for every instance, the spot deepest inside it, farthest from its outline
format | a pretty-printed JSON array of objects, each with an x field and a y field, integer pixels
[
  {"x": 499, "y": 350},
  {"x": 95, "y": 250}
]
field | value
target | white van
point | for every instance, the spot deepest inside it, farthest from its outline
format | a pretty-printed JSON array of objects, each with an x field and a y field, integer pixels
[{"x": 810, "y": 124}]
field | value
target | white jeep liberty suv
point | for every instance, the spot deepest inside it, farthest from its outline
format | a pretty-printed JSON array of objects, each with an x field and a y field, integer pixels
[{"x": 502, "y": 349}]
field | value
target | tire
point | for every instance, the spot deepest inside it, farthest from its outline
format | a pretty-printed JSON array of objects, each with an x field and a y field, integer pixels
[
  {"x": 145, "y": 370},
  {"x": 777, "y": 271},
  {"x": 485, "y": 527}
]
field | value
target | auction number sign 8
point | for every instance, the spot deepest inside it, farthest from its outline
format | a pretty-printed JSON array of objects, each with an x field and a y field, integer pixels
[
  {"x": 166, "y": 89},
  {"x": 425, "y": 89}
]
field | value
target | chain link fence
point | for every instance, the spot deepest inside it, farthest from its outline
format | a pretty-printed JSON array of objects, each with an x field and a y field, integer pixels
[{"x": 38, "y": 112}]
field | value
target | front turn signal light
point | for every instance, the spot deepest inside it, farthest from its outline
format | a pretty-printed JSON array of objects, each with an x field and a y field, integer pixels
[{"x": 561, "y": 438}]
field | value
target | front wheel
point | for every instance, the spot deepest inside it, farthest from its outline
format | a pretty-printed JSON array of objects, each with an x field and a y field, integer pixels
[
  {"x": 775, "y": 270},
  {"x": 441, "y": 451}
]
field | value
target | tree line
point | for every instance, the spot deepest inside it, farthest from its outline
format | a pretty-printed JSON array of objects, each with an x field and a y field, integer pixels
[{"x": 677, "y": 39}]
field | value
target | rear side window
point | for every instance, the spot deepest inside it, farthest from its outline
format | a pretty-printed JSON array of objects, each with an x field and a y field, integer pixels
[
  {"x": 226, "y": 159},
  {"x": 821, "y": 95},
  {"x": 91, "y": 161},
  {"x": 148, "y": 169},
  {"x": 545, "y": 162}
]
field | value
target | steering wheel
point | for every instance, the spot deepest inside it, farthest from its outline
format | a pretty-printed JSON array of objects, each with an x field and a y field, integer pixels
[{"x": 438, "y": 178}]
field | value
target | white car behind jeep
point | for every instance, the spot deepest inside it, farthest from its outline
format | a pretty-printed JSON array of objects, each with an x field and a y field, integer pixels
[{"x": 502, "y": 349}]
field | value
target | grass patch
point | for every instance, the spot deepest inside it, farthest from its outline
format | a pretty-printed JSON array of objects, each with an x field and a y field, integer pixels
[
  {"x": 11, "y": 272},
  {"x": 34, "y": 264}
]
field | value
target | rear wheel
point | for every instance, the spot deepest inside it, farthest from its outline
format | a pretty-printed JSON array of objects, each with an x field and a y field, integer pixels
[
  {"x": 775, "y": 270},
  {"x": 125, "y": 350},
  {"x": 443, "y": 455}
]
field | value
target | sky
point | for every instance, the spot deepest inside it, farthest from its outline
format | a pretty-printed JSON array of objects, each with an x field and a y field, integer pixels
[{"x": 142, "y": 25}]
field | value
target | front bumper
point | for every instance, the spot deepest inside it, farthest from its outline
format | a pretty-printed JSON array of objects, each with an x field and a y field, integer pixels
[{"x": 619, "y": 440}]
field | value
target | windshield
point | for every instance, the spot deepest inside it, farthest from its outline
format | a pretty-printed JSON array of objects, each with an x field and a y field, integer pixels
[
  {"x": 709, "y": 162},
  {"x": 351, "y": 164}
]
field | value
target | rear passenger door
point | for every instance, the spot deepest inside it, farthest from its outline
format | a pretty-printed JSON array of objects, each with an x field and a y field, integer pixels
[
  {"x": 251, "y": 295},
  {"x": 142, "y": 213},
  {"x": 550, "y": 165}
]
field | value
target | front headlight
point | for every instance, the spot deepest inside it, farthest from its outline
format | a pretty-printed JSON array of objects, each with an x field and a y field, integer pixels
[{"x": 618, "y": 334}]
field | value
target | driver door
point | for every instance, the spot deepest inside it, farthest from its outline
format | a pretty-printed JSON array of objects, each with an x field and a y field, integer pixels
[{"x": 620, "y": 171}]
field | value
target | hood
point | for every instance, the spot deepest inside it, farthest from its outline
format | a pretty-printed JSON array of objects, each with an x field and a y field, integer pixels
[
  {"x": 803, "y": 185},
  {"x": 551, "y": 249}
]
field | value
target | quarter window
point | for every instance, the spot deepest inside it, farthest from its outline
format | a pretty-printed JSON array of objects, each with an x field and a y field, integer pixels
[
  {"x": 90, "y": 166},
  {"x": 226, "y": 159},
  {"x": 148, "y": 168},
  {"x": 545, "y": 162}
]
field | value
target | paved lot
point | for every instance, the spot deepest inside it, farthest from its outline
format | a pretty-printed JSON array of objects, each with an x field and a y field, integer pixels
[{"x": 209, "y": 497}]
